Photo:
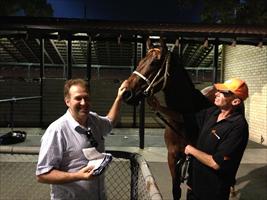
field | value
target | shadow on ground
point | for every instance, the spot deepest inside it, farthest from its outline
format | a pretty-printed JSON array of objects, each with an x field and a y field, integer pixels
[{"x": 252, "y": 182}]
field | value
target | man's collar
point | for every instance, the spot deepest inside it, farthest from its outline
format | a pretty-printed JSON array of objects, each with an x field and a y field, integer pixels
[
  {"x": 234, "y": 115},
  {"x": 75, "y": 125},
  {"x": 73, "y": 122}
]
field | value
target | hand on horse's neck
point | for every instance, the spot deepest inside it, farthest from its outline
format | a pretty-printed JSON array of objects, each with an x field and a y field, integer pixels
[{"x": 224, "y": 114}]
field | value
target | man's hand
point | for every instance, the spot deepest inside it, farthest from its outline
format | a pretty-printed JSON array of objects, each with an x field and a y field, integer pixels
[
  {"x": 187, "y": 149},
  {"x": 113, "y": 113},
  {"x": 201, "y": 156},
  {"x": 86, "y": 172},
  {"x": 122, "y": 88}
]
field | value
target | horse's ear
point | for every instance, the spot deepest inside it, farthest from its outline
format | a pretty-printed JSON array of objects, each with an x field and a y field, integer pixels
[
  {"x": 149, "y": 44},
  {"x": 163, "y": 46},
  {"x": 209, "y": 92}
]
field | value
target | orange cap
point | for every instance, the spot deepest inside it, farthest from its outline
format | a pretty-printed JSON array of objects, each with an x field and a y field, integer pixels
[{"x": 236, "y": 86}]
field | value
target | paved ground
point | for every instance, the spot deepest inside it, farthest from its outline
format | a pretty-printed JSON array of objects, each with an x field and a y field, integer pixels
[{"x": 251, "y": 177}]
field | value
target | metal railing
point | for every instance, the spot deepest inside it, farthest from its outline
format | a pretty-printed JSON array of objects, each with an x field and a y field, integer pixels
[{"x": 127, "y": 177}]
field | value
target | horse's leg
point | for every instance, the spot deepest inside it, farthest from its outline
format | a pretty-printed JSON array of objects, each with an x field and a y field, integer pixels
[
  {"x": 174, "y": 170},
  {"x": 173, "y": 162}
]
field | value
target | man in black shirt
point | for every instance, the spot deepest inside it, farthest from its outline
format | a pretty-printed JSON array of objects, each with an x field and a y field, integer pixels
[{"x": 222, "y": 141}]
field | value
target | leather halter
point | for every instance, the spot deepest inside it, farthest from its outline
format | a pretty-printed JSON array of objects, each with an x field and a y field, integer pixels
[{"x": 163, "y": 78}]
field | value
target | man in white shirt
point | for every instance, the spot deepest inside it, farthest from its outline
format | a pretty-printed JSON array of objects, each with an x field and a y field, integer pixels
[{"x": 61, "y": 161}]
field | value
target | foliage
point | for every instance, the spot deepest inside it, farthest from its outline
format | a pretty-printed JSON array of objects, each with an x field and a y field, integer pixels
[
  {"x": 230, "y": 11},
  {"x": 235, "y": 12},
  {"x": 35, "y": 8}
]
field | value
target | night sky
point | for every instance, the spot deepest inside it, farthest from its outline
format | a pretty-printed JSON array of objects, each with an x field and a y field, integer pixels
[{"x": 133, "y": 10}]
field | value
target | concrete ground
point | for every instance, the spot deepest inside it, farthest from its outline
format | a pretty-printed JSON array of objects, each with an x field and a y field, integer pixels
[{"x": 251, "y": 176}]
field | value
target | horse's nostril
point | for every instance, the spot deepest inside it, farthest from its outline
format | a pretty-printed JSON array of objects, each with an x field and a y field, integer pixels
[{"x": 127, "y": 95}]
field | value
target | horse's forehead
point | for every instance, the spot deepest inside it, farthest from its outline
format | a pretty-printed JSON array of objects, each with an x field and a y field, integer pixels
[
  {"x": 157, "y": 50},
  {"x": 152, "y": 54},
  {"x": 155, "y": 53},
  {"x": 147, "y": 66}
]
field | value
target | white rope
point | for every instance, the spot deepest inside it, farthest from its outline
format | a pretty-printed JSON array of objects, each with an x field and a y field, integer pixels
[
  {"x": 164, "y": 78},
  {"x": 166, "y": 74},
  {"x": 153, "y": 83}
]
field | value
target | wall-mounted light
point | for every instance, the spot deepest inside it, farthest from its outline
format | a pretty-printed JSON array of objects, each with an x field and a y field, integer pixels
[
  {"x": 119, "y": 39},
  {"x": 154, "y": 37},
  {"x": 206, "y": 43},
  {"x": 176, "y": 44},
  {"x": 233, "y": 43},
  {"x": 260, "y": 44}
]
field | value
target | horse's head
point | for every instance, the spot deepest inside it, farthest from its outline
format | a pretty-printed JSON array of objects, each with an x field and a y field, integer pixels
[{"x": 150, "y": 74}]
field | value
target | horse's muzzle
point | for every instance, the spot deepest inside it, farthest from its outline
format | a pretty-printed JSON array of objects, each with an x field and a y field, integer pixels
[
  {"x": 127, "y": 95},
  {"x": 131, "y": 97}
]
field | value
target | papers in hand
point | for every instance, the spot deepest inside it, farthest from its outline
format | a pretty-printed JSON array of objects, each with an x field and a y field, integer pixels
[{"x": 99, "y": 160}]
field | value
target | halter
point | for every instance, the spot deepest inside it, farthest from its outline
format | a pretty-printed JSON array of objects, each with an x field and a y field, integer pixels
[{"x": 154, "y": 83}]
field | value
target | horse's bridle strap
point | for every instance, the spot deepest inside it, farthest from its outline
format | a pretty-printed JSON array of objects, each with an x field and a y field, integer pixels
[
  {"x": 154, "y": 82},
  {"x": 141, "y": 76}
]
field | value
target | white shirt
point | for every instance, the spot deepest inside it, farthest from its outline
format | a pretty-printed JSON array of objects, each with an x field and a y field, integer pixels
[{"x": 61, "y": 149}]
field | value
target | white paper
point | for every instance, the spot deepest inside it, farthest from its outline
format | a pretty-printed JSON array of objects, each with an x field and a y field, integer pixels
[
  {"x": 95, "y": 158},
  {"x": 95, "y": 163},
  {"x": 92, "y": 154}
]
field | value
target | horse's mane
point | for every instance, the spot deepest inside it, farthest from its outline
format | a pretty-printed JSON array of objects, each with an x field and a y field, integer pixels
[{"x": 180, "y": 93}]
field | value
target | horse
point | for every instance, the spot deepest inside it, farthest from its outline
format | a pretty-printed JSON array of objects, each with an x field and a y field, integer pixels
[{"x": 162, "y": 70}]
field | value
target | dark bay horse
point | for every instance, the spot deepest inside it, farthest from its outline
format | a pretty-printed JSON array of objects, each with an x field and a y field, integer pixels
[{"x": 162, "y": 70}]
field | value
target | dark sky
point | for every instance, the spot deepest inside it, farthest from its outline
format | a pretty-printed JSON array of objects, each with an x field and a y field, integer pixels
[{"x": 134, "y": 10}]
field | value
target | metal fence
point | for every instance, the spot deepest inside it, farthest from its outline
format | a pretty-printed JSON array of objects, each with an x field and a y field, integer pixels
[{"x": 127, "y": 177}]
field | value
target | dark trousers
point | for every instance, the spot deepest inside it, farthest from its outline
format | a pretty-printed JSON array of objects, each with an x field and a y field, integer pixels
[{"x": 190, "y": 195}]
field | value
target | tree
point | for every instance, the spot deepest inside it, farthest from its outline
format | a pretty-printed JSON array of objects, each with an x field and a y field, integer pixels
[
  {"x": 235, "y": 12},
  {"x": 35, "y": 8}
]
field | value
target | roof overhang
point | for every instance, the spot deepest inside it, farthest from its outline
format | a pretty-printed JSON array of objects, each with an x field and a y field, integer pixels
[{"x": 100, "y": 29}]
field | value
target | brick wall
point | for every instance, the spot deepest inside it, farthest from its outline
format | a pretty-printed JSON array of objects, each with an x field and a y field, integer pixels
[{"x": 250, "y": 64}]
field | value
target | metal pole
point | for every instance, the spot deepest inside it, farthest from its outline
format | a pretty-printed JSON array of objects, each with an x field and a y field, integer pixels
[
  {"x": 215, "y": 61},
  {"x": 11, "y": 117},
  {"x": 41, "y": 80},
  {"x": 69, "y": 58},
  {"x": 89, "y": 59},
  {"x": 135, "y": 64},
  {"x": 142, "y": 113},
  {"x": 142, "y": 124}
]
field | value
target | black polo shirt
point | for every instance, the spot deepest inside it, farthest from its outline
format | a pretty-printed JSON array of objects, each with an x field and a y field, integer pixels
[{"x": 227, "y": 138}]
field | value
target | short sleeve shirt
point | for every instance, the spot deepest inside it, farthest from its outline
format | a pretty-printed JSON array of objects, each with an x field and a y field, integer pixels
[
  {"x": 61, "y": 149},
  {"x": 224, "y": 139}
]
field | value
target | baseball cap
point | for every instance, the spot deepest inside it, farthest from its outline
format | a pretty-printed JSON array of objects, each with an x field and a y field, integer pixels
[{"x": 236, "y": 86}]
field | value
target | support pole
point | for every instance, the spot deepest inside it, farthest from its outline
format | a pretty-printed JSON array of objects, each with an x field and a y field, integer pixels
[
  {"x": 41, "y": 80},
  {"x": 89, "y": 59},
  {"x": 142, "y": 112},
  {"x": 215, "y": 61},
  {"x": 135, "y": 64},
  {"x": 69, "y": 58}
]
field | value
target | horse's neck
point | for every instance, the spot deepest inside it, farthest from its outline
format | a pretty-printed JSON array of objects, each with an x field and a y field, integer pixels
[
  {"x": 180, "y": 93},
  {"x": 179, "y": 86}
]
